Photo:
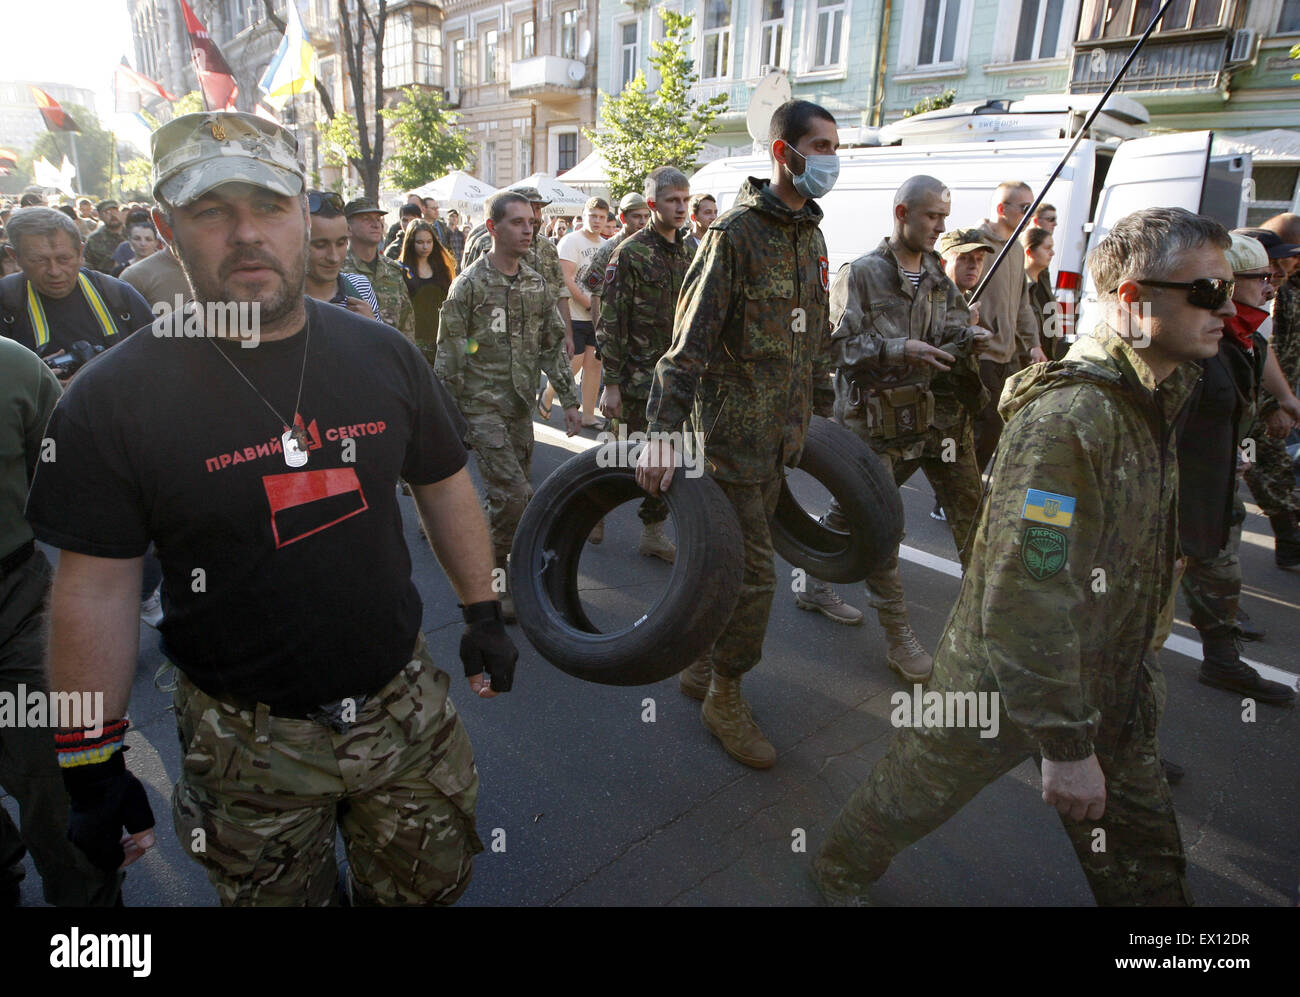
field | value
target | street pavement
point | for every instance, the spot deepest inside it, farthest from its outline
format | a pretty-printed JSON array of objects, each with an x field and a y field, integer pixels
[{"x": 597, "y": 795}]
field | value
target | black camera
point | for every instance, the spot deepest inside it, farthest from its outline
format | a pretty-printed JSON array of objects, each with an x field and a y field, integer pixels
[{"x": 74, "y": 358}]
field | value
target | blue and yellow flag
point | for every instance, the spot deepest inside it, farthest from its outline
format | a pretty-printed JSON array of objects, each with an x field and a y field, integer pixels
[
  {"x": 293, "y": 67},
  {"x": 1049, "y": 508}
]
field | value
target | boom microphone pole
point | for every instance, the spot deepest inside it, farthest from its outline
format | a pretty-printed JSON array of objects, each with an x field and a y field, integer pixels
[{"x": 1083, "y": 130}]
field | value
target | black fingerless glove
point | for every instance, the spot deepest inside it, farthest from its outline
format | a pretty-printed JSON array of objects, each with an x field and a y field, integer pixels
[
  {"x": 105, "y": 798},
  {"x": 485, "y": 646}
]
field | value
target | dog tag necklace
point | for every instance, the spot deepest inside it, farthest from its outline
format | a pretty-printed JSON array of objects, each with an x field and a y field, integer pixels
[{"x": 294, "y": 442}]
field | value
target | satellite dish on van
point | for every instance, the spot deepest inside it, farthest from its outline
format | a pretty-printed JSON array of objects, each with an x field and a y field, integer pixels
[
  {"x": 584, "y": 43},
  {"x": 771, "y": 93}
]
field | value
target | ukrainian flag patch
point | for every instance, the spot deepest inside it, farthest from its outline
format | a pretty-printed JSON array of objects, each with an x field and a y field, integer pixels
[{"x": 1048, "y": 507}]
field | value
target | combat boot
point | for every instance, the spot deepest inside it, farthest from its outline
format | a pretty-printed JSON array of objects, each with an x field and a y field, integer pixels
[
  {"x": 694, "y": 679},
  {"x": 655, "y": 543},
  {"x": 821, "y": 598},
  {"x": 1286, "y": 546},
  {"x": 727, "y": 716},
  {"x": 1222, "y": 668},
  {"x": 906, "y": 655}
]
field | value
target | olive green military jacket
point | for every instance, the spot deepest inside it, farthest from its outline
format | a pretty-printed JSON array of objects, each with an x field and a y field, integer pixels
[
  {"x": 100, "y": 245},
  {"x": 1073, "y": 555},
  {"x": 750, "y": 358},
  {"x": 642, "y": 281},
  {"x": 388, "y": 279},
  {"x": 494, "y": 332},
  {"x": 542, "y": 257}
]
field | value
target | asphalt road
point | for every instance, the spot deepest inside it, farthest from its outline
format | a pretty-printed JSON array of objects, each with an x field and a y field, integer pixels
[{"x": 596, "y": 806}]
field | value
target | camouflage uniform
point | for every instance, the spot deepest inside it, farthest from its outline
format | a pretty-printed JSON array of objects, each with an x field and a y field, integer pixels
[
  {"x": 100, "y": 245},
  {"x": 636, "y": 326},
  {"x": 1089, "y": 447},
  {"x": 542, "y": 257},
  {"x": 269, "y": 793},
  {"x": 749, "y": 363},
  {"x": 875, "y": 310},
  {"x": 388, "y": 280},
  {"x": 591, "y": 275},
  {"x": 1272, "y": 478},
  {"x": 493, "y": 334}
]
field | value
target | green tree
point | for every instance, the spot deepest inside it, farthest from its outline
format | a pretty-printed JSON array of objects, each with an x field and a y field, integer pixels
[
  {"x": 935, "y": 103},
  {"x": 639, "y": 131},
  {"x": 94, "y": 150},
  {"x": 427, "y": 140},
  {"x": 1295, "y": 54},
  {"x": 135, "y": 182}
]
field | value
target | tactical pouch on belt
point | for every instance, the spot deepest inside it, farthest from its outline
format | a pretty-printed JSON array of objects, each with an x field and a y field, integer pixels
[{"x": 894, "y": 413}]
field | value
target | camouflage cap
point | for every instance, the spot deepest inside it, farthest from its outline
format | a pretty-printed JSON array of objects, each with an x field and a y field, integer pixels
[
  {"x": 532, "y": 193},
  {"x": 194, "y": 153},
  {"x": 1246, "y": 254},
  {"x": 362, "y": 206},
  {"x": 632, "y": 202},
  {"x": 963, "y": 240}
]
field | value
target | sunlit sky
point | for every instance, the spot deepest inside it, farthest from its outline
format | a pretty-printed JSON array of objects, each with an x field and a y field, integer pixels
[{"x": 71, "y": 41}]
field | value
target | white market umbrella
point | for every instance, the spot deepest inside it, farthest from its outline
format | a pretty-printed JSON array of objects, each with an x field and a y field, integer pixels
[
  {"x": 591, "y": 172},
  {"x": 565, "y": 200},
  {"x": 458, "y": 190}
]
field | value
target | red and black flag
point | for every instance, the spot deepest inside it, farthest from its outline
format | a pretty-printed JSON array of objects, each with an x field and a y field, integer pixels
[
  {"x": 215, "y": 77},
  {"x": 8, "y": 161},
  {"x": 56, "y": 118}
]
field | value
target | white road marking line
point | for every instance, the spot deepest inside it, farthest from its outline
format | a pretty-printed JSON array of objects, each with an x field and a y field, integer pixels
[{"x": 1175, "y": 643}]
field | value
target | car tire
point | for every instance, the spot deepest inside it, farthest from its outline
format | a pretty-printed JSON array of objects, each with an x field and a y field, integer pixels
[
  {"x": 689, "y": 615},
  {"x": 863, "y": 485}
]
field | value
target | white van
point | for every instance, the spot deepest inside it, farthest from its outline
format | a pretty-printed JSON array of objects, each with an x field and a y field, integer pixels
[{"x": 1103, "y": 181}]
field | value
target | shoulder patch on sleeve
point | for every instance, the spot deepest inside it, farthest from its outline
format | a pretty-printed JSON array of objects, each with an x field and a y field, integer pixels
[
  {"x": 1043, "y": 551},
  {"x": 1048, "y": 507}
]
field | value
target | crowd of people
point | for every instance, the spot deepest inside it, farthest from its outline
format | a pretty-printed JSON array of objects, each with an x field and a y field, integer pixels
[{"x": 386, "y": 357}]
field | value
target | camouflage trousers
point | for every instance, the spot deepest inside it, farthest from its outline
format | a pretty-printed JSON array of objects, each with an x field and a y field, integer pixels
[
  {"x": 652, "y": 510},
  {"x": 1272, "y": 477},
  {"x": 260, "y": 797},
  {"x": 1212, "y": 586},
  {"x": 928, "y": 774},
  {"x": 503, "y": 449},
  {"x": 740, "y": 646}
]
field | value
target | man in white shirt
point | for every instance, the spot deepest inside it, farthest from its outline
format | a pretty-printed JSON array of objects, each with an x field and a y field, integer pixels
[{"x": 575, "y": 249}]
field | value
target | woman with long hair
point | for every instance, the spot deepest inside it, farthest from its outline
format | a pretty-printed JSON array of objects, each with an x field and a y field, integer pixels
[
  {"x": 430, "y": 270},
  {"x": 1039, "y": 250}
]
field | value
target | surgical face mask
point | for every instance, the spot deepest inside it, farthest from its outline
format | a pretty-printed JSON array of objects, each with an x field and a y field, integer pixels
[{"x": 818, "y": 176}]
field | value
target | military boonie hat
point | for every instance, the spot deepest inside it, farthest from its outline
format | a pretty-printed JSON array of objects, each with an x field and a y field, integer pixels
[
  {"x": 963, "y": 240},
  {"x": 532, "y": 193},
  {"x": 1246, "y": 254},
  {"x": 105, "y": 205},
  {"x": 632, "y": 202},
  {"x": 362, "y": 206},
  {"x": 197, "y": 152},
  {"x": 1271, "y": 241}
]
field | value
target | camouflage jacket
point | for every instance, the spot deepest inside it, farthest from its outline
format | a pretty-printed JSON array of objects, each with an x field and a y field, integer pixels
[
  {"x": 541, "y": 257},
  {"x": 591, "y": 275},
  {"x": 388, "y": 280},
  {"x": 493, "y": 334},
  {"x": 1285, "y": 338},
  {"x": 642, "y": 281},
  {"x": 750, "y": 358},
  {"x": 875, "y": 310},
  {"x": 100, "y": 245},
  {"x": 1072, "y": 558}
]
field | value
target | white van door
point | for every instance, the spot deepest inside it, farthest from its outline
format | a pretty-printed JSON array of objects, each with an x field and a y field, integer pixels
[{"x": 1162, "y": 171}]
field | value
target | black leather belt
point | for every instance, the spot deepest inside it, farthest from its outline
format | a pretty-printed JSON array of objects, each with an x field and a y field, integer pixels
[{"x": 15, "y": 559}]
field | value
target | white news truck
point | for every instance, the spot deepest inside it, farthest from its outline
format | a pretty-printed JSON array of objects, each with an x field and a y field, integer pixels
[{"x": 1116, "y": 169}]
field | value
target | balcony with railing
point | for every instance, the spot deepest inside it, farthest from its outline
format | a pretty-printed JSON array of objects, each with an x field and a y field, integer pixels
[{"x": 547, "y": 77}]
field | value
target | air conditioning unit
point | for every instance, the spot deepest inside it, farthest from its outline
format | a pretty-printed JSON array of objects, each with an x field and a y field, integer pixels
[
  {"x": 1245, "y": 46},
  {"x": 451, "y": 96}
]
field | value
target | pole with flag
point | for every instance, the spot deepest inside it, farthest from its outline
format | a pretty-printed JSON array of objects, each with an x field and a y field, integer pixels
[
  {"x": 293, "y": 68},
  {"x": 57, "y": 120},
  {"x": 216, "y": 79}
]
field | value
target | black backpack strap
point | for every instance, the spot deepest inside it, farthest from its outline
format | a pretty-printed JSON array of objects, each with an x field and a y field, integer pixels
[{"x": 13, "y": 304}]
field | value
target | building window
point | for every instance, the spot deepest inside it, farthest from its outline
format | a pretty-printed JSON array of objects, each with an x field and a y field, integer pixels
[
  {"x": 717, "y": 39},
  {"x": 938, "y": 32},
  {"x": 770, "y": 33},
  {"x": 458, "y": 63},
  {"x": 525, "y": 159},
  {"x": 1290, "y": 19},
  {"x": 490, "y": 163},
  {"x": 830, "y": 31},
  {"x": 569, "y": 34},
  {"x": 630, "y": 50},
  {"x": 1040, "y": 29},
  {"x": 398, "y": 71},
  {"x": 567, "y": 151},
  {"x": 491, "y": 39},
  {"x": 527, "y": 40}
]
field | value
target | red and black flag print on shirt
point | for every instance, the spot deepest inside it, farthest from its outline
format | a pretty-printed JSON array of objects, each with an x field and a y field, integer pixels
[
  {"x": 215, "y": 76},
  {"x": 56, "y": 118}
]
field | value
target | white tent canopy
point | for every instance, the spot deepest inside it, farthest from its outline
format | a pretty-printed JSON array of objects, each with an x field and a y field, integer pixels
[
  {"x": 565, "y": 200},
  {"x": 457, "y": 190},
  {"x": 591, "y": 172}
]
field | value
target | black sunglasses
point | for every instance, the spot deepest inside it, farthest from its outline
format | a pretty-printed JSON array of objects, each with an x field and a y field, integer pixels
[
  {"x": 1209, "y": 293},
  {"x": 317, "y": 199}
]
